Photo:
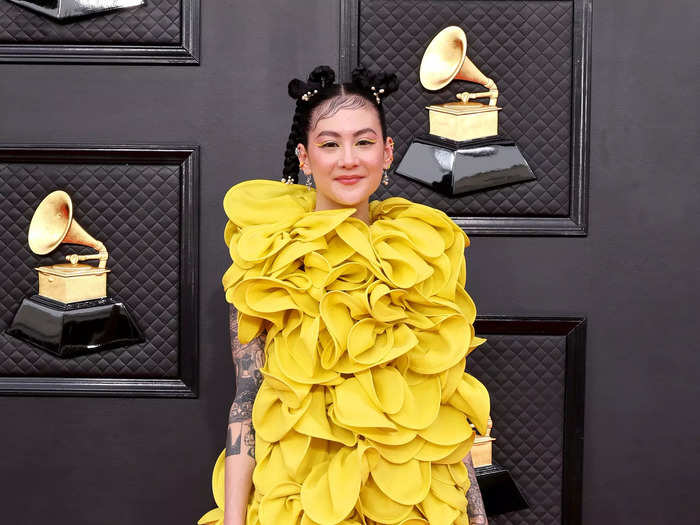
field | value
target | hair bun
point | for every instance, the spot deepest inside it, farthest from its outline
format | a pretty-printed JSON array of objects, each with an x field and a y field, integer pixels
[
  {"x": 389, "y": 82},
  {"x": 381, "y": 84},
  {"x": 321, "y": 77},
  {"x": 324, "y": 76},
  {"x": 296, "y": 88},
  {"x": 361, "y": 78}
]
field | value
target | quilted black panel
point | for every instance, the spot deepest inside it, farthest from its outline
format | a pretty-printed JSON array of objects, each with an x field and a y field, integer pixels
[
  {"x": 526, "y": 47},
  {"x": 155, "y": 22},
  {"x": 525, "y": 379},
  {"x": 135, "y": 210}
]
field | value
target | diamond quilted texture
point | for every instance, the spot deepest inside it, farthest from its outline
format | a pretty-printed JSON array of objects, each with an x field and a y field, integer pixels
[
  {"x": 134, "y": 210},
  {"x": 525, "y": 379},
  {"x": 155, "y": 23},
  {"x": 526, "y": 47}
]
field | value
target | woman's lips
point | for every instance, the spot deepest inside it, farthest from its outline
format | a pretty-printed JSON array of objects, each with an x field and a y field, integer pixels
[{"x": 348, "y": 179}]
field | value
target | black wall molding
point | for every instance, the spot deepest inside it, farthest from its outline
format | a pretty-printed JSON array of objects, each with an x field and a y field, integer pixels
[
  {"x": 139, "y": 370},
  {"x": 185, "y": 52},
  {"x": 533, "y": 216},
  {"x": 537, "y": 342}
]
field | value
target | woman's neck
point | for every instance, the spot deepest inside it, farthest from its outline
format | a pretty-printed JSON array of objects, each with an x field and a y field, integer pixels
[{"x": 361, "y": 209}]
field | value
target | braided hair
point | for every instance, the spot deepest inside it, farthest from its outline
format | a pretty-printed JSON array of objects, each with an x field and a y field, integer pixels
[{"x": 319, "y": 97}]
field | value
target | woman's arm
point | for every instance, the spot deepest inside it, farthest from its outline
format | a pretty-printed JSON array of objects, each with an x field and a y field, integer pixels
[
  {"x": 240, "y": 436},
  {"x": 475, "y": 505}
]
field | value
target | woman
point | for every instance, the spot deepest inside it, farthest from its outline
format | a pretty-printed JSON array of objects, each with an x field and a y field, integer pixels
[{"x": 350, "y": 326}]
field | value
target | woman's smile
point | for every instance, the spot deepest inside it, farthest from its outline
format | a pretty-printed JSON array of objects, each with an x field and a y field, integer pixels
[{"x": 348, "y": 179}]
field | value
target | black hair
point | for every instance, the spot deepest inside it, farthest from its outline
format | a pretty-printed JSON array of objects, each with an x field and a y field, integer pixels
[{"x": 320, "y": 91}]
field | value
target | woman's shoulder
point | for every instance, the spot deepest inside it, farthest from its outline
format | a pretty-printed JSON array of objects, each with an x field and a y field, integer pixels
[
  {"x": 272, "y": 205},
  {"x": 256, "y": 202},
  {"x": 401, "y": 210}
]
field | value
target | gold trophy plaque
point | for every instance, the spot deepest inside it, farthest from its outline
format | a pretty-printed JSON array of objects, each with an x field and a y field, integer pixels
[
  {"x": 72, "y": 314},
  {"x": 464, "y": 151}
]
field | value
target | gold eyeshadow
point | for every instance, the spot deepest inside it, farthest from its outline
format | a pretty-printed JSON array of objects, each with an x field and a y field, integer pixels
[{"x": 322, "y": 144}]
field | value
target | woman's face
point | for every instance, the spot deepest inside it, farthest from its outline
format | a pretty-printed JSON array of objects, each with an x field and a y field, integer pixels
[{"x": 346, "y": 156}]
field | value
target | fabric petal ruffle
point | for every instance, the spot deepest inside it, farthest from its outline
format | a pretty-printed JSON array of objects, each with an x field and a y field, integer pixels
[{"x": 365, "y": 411}]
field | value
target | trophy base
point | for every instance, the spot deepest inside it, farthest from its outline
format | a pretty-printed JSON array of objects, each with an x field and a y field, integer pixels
[
  {"x": 62, "y": 9},
  {"x": 70, "y": 283},
  {"x": 72, "y": 329},
  {"x": 455, "y": 168},
  {"x": 461, "y": 121},
  {"x": 498, "y": 490}
]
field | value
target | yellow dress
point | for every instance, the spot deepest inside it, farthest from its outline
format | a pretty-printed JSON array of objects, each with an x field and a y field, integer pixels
[{"x": 364, "y": 412}]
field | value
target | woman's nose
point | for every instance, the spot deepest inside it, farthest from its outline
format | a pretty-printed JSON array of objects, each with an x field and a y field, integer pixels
[{"x": 348, "y": 158}]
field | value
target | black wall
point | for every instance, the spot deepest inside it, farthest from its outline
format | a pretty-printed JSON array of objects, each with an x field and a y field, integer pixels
[{"x": 141, "y": 461}]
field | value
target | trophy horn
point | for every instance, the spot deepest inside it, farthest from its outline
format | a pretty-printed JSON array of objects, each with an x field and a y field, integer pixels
[
  {"x": 445, "y": 59},
  {"x": 53, "y": 224}
]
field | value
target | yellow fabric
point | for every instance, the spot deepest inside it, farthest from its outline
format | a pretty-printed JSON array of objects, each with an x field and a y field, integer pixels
[{"x": 363, "y": 415}]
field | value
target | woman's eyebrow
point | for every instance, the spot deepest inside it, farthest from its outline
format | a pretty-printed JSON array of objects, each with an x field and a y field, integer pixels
[
  {"x": 359, "y": 132},
  {"x": 329, "y": 133}
]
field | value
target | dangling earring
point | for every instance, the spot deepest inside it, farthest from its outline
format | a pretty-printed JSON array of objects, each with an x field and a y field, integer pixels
[
  {"x": 385, "y": 178},
  {"x": 289, "y": 179},
  {"x": 308, "y": 181}
]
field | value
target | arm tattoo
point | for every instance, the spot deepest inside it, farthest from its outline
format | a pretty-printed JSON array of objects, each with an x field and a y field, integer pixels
[
  {"x": 248, "y": 359},
  {"x": 233, "y": 448},
  {"x": 475, "y": 505}
]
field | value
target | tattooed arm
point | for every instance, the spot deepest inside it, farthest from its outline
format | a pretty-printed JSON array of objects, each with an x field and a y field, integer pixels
[
  {"x": 475, "y": 505},
  {"x": 240, "y": 436}
]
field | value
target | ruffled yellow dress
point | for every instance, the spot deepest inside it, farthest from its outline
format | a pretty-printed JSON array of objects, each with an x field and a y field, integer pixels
[{"x": 364, "y": 412}]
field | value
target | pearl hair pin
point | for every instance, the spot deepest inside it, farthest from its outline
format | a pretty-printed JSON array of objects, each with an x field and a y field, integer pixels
[
  {"x": 306, "y": 96},
  {"x": 377, "y": 94}
]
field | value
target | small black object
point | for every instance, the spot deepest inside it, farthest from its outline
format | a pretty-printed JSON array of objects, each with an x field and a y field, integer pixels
[
  {"x": 454, "y": 168},
  {"x": 71, "y": 329},
  {"x": 498, "y": 490}
]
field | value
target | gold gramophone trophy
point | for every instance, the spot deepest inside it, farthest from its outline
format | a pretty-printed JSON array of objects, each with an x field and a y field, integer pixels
[
  {"x": 463, "y": 151},
  {"x": 498, "y": 489},
  {"x": 72, "y": 314}
]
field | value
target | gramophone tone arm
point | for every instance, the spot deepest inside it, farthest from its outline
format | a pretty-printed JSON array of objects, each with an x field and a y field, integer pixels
[
  {"x": 465, "y": 96},
  {"x": 489, "y": 84},
  {"x": 102, "y": 255}
]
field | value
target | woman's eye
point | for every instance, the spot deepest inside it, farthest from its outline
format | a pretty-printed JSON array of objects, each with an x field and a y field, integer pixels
[
  {"x": 329, "y": 144},
  {"x": 365, "y": 142}
]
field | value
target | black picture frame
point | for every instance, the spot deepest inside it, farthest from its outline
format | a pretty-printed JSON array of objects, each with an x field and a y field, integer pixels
[
  {"x": 186, "y": 52},
  {"x": 186, "y": 385},
  {"x": 576, "y": 222},
  {"x": 573, "y": 330}
]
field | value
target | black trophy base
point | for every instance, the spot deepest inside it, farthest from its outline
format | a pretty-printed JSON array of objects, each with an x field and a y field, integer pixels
[
  {"x": 71, "y": 329},
  {"x": 498, "y": 490},
  {"x": 455, "y": 168}
]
